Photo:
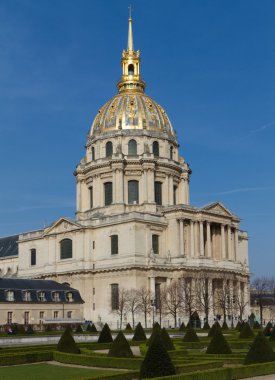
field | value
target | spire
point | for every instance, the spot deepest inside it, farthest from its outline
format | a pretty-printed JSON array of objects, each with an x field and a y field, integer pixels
[{"x": 130, "y": 46}]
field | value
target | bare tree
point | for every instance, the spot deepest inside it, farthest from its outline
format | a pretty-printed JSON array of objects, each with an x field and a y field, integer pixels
[
  {"x": 174, "y": 299},
  {"x": 224, "y": 300},
  {"x": 190, "y": 296},
  {"x": 161, "y": 302},
  {"x": 260, "y": 287},
  {"x": 144, "y": 301},
  {"x": 122, "y": 303},
  {"x": 204, "y": 298},
  {"x": 133, "y": 304},
  {"x": 240, "y": 304}
]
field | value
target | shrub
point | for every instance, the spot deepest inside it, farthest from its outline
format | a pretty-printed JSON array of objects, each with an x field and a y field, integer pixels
[
  {"x": 242, "y": 323},
  {"x": 91, "y": 328},
  {"x": 195, "y": 320},
  {"x": 67, "y": 344},
  {"x": 218, "y": 344},
  {"x": 238, "y": 326},
  {"x": 214, "y": 327},
  {"x": 206, "y": 326},
  {"x": 48, "y": 328},
  {"x": 182, "y": 327},
  {"x": 190, "y": 336},
  {"x": 29, "y": 330},
  {"x": 246, "y": 332},
  {"x": 256, "y": 325},
  {"x": 128, "y": 327},
  {"x": 105, "y": 335},
  {"x": 224, "y": 326},
  {"x": 157, "y": 361},
  {"x": 120, "y": 347},
  {"x": 188, "y": 324},
  {"x": 139, "y": 334},
  {"x": 268, "y": 329},
  {"x": 260, "y": 350},
  {"x": 272, "y": 336},
  {"x": 79, "y": 329},
  {"x": 156, "y": 330},
  {"x": 167, "y": 341}
]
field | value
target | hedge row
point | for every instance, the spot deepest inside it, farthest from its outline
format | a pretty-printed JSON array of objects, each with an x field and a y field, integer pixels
[
  {"x": 27, "y": 357},
  {"x": 97, "y": 361},
  {"x": 203, "y": 365}
]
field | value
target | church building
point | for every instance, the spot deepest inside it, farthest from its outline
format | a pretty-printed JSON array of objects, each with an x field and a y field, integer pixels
[{"x": 134, "y": 227}]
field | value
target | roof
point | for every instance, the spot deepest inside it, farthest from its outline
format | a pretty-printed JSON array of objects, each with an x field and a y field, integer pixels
[
  {"x": 34, "y": 287},
  {"x": 9, "y": 246}
]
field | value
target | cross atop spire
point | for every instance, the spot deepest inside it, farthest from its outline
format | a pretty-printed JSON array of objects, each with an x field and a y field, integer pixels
[{"x": 130, "y": 46}]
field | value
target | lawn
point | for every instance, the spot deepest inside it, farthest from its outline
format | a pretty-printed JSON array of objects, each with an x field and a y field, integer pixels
[{"x": 51, "y": 372}]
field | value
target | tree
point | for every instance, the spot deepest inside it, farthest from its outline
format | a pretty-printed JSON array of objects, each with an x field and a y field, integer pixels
[
  {"x": 144, "y": 301},
  {"x": 189, "y": 296},
  {"x": 123, "y": 299},
  {"x": 161, "y": 302},
  {"x": 222, "y": 300},
  {"x": 174, "y": 300},
  {"x": 260, "y": 286},
  {"x": 203, "y": 296},
  {"x": 240, "y": 304},
  {"x": 133, "y": 304}
]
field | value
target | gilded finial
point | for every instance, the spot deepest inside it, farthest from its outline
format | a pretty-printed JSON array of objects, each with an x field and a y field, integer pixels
[{"x": 130, "y": 46}]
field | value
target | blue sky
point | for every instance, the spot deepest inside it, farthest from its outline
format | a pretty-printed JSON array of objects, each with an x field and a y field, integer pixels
[{"x": 210, "y": 64}]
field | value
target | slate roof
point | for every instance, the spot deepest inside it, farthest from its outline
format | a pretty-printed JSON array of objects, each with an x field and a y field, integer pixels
[
  {"x": 34, "y": 287},
  {"x": 9, "y": 246}
]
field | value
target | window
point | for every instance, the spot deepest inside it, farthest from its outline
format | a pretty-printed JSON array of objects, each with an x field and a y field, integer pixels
[
  {"x": 26, "y": 317},
  {"x": 91, "y": 197},
  {"x": 114, "y": 296},
  {"x": 41, "y": 314},
  {"x": 9, "y": 317},
  {"x": 69, "y": 297},
  {"x": 55, "y": 314},
  {"x": 133, "y": 192},
  {"x": 132, "y": 148},
  {"x": 56, "y": 297},
  {"x": 155, "y": 244},
  {"x": 93, "y": 291},
  {"x": 131, "y": 69},
  {"x": 93, "y": 244},
  {"x": 158, "y": 195},
  {"x": 108, "y": 191},
  {"x": 157, "y": 295},
  {"x": 93, "y": 153},
  {"x": 93, "y": 306},
  {"x": 10, "y": 295},
  {"x": 175, "y": 195},
  {"x": 33, "y": 256},
  {"x": 114, "y": 244},
  {"x": 69, "y": 314},
  {"x": 171, "y": 153},
  {"x": 66, "y": 249},
  {"x": 26, "y": 296},
  {"x": 109, "y": 149},
  {"x": 156, "y": 149},
  {"x": 41, "y": 296}
]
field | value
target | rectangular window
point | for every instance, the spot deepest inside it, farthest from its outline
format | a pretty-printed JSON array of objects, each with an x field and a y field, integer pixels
[
  {"x": 93, "y": 306},
  {"x": 114, "y": 296},
  {"x": 26, "y": 296},
  {"x": 26, "y": 317},
  {"x": 175, "y": 195},
  {"x": 55, "y": 314},
  {"x": 155, "y": 244},
  {"x": 93, "y": 244},
  {"x": 41, "y": 314},
  {"x": 93, "y": 291},
  {"x": 10, "y": 295},
  {"x": 33, "y": 256},
  {"x": 108, "y": 191},
  {"x": 91, "y": 197},
  {"x": 114, "y": 244},
  {"x": 69, "y": 297},
  {"x": 9, "y": 318},
  {"x": 56, "y": 297},
  {"x": 133, "y": 197},
  {"x": 41, "y": 296},
  {"x": 69, "y": 314},
  {"x": 158, "y": 195}
]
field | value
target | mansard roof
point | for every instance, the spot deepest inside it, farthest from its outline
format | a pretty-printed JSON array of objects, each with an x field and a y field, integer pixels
[
  {"x": 18, "y": 286},
  {"x": 9, "y": 246}
]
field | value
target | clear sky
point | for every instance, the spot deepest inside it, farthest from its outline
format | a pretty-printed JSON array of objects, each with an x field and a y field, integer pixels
[{"x": 210, "y": 64}]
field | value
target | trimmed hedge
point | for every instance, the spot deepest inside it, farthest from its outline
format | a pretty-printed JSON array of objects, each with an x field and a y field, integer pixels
[
  {"x": 260, "y": 351},
  {"x": 67, "y": 343},
  {"x": 139, "y": 334},
  {"x": 27, "y": 357},
  {"x": 167, "y": 341},
  {"x": 190, "y": 336},
  {"x": 91, "y": 329},
  {"x": 128, "y": 327},
  {"x": 105, "y": 335},
  {"x": 246, "y": 332},
  {"x": 182, "y": 327},
  {"x": 214, "y": 327},
  {"x": 120, "y": 347},
  {"x": 206, "y": 326},
  {"x": 218, "y": 344}
]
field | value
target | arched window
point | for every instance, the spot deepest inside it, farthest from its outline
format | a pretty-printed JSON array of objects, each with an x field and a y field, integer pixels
[
  {"x": 171, "y": 153},
  {"x": 133, "y": 192},
  {"x": 158, "y": 194},
  {"x": 132, "y": 148},
  {"x": 131, "y": 69},
  {"x": 108, "y": 192},
  {"x": 66, "y": 249},
  {"x": 156, "y": 149},
  {"x": 93, "y": 153},
  {"x": 109, "y": 149}
]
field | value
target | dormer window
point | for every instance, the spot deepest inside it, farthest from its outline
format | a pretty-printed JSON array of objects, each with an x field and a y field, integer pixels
[
  {"x": 69, "y": 297},
  {"x": 10, "y": 295},
  {"x": 26, "y": 296},
  {"x": 41, "y": 296},
  {"x": 56, "y": 297}
]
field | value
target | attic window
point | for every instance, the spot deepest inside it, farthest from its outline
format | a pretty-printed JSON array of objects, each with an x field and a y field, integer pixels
[
  {"x": 56, "y": 297},
  {"x": 41, "y": 296},
  {"x": 69, "y": 297},
  {"x": 10, "y": 295}
]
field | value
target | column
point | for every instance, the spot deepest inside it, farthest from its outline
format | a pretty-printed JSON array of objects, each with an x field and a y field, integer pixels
[
  {"x": 223, "y": 253},
  {"x": 181, "y": 237},
  {"x": 208, "y": 241},
  {"x": 114, "y": 186},
  {"x": 151, "y": 186},
  {"x": 236, "y": 241},
  {"x": 201, "y": 239},
  {"x": 229, "y": 253},
  {"x": 210, "y": 297},
  {"x": 78, "y": 196},
  {"x": 192, "y": 248},
  {"x": 145, "y": 195},
  {"x": 171, "y": 190},
  {"x": 152, "y": 287}
]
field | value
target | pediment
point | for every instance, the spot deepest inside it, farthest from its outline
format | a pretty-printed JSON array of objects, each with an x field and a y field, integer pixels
[
  {"x": 218, "y": 208},
  {"x": 62, "y": 225}
]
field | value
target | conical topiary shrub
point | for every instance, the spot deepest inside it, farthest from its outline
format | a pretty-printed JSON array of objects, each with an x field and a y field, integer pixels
[
  {"x": 195, "y": 320},
  {"x": 214, "y": 327},
  {"x": 188, "y": 324},
  {"x": 268, "y": 329},
  {"x": 246, "y": 332},
  {"x": 128, "y": 327},
  {"x": 224, "y": 326},
  {"x": 91, "y": 328},
  {"x": 29, "y": 330},
  {"x": 218, "y": 344},
  {"x": 79, "y": 330},
  {"x": 156, "y": 330},
  {"x": 241, "y": 326},
  {"x": 272, "y": 336},
  {"x": 120, "y": 347},
  {"x": 167, "y": 341},
  {"x": 238, "y": 326},
  {"x": 190, "y": 336},
  {"x": 260, "y": 350},
  {"x": 182, "y": 327},
  {"x": 157, "y": 361},
  {"x": 105, "y": 335},
  {"x": 139, "y": 334},
  {"x": 67, "y": 344},
  {"x": 206, "y": 326},
  {"x": 157, "y": 325},
  {"x": 256, "y": 326}
]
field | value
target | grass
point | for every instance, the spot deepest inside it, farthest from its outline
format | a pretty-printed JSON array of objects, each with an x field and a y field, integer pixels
[{"x": 51, "y": 372}]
